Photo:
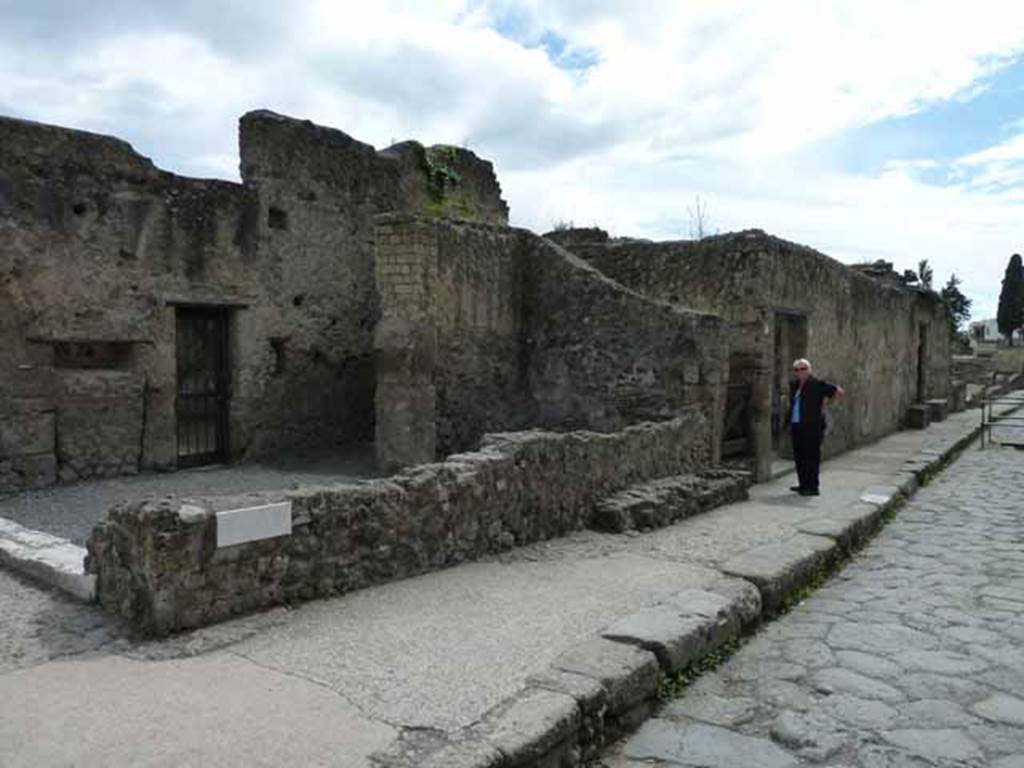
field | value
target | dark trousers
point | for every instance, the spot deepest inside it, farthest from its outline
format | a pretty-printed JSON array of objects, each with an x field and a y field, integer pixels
[{"x": 807, "y": 453}]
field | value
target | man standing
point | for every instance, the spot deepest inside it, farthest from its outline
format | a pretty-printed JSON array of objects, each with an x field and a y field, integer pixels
[{"x": 807, "y": 396}]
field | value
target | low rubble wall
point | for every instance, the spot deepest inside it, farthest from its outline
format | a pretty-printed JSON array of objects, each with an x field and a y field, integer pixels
[{"x": 173, "y": 564}]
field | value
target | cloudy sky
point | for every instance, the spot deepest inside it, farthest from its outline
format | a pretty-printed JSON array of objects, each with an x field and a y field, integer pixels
[{"x": 867, "y": 129}]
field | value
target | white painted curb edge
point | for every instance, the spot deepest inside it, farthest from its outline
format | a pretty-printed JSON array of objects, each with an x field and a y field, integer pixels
[{"x": 49, "y": 559}]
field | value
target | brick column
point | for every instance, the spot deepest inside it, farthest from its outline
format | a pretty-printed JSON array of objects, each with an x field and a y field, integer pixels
[{"x": 405, "y": 342}]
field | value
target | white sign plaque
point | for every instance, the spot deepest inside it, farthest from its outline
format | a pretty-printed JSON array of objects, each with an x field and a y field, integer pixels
[{"x": 237, "y": 526}]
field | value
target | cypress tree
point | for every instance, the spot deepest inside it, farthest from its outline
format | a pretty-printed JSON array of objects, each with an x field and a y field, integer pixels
[{"x": 1010, "y": 316}]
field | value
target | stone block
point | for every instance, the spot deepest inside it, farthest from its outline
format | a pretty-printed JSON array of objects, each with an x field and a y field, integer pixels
[
  {"x": 706, "y": 745},
  {"x": 30, "y": 381},
  {"x": 660, "y": 502},
  {"x": 957, "y": 396},
  {"x": 629, "y": 674},
  {"x": 883, "y": 496},
  {"x": 24, "y": 472},
  {"x": 938, "y": 408},
  {"x": 677, "y": 640},
  {"x": 590, "y": 696},
  {"x": 779, "y": 570},
  {"x": 27, "y": 431},
  {"x": 528, "y": 727},
  {"x": 460, "y": 751},
  {"x": 919, "y": 416},
  {"x": 726, "y": 614},
  {"x": 849, "y": 526},
  {"x": 743, "y": 597}
]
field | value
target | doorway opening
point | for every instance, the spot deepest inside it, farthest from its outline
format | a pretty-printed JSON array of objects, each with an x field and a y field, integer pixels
[
  {"x": 203, "y": 397},
  {"x": 790, "y": 344},
  {"x": 922, "y": 362}
]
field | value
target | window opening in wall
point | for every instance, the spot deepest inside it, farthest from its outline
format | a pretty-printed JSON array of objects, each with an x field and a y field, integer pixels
[
  {"x": 277, "y": 218},
  {"x": 204, "y": 385},
  {"x": 277, "y": 346},
  {"x": 91, "y": 354}
]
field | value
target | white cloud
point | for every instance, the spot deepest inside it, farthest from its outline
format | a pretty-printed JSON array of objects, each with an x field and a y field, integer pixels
[{"x": 681, "y": 98}]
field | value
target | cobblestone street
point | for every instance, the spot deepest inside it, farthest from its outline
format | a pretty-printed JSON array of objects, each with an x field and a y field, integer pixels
[{"x": 913, "y": 655}]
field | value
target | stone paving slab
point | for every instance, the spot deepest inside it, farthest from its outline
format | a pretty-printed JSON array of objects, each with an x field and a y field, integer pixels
[
  {"x": 909, "y": 656},
  {"x": 427, "y": 658},
  {"x": 778, "y": 570},
  {"x": 106, "y": 710}
]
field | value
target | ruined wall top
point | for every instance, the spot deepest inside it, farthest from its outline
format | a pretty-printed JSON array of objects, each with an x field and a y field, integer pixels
[
  {"x": 37, "y": 147},
  {"x": 743, "y": 245},
  {"x": 441, "y": 181}
]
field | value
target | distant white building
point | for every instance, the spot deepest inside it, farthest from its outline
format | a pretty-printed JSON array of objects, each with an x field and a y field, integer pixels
[{"x": 988, "y": 331}]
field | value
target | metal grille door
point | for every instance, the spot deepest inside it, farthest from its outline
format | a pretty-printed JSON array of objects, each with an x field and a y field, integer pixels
[{"x": 204, "y": 386}]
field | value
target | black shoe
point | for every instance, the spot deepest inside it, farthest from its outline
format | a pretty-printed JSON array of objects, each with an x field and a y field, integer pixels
[
  {"x": 810, "y": 492},
  {"x": 795, "y": 488}
]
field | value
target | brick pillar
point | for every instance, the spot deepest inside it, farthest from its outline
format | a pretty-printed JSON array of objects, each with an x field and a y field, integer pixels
[{"x": 405, "y": 341}]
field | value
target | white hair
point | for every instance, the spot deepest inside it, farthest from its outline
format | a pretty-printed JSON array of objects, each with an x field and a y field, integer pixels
[{"x": 800, "y": 362}]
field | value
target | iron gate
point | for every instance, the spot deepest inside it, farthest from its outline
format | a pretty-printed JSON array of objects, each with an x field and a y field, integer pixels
[{"x": 204, "y": 385}]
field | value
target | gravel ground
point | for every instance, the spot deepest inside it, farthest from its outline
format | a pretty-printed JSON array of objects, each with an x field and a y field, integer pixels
[
  {"x": 40, "y": 624},
  {"x": 70, "y": 511}
]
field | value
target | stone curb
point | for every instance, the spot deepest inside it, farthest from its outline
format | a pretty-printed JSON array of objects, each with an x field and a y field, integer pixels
[
  {"x": 780, "y": 569},
  {"x": 48, "y": 559},
  {"x": 599, "y": 689},
  {"x": 607, "y": 686}
]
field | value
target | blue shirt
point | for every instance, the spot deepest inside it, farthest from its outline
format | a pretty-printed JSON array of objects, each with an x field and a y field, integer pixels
[{"x": 796, "y": 407}]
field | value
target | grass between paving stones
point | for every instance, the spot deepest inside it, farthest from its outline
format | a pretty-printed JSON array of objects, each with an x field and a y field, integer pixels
[{"x": 674, "y": 686}]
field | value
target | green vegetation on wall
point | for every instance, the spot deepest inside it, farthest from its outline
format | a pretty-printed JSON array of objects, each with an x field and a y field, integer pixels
[{"x": 446, "y": 198}]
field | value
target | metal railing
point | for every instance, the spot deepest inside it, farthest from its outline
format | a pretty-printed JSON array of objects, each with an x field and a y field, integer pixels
[{"x": 1002, "y": 411}]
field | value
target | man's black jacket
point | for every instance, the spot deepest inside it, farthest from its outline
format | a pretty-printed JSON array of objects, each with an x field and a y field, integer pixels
[{"x": 815, "y": 393}]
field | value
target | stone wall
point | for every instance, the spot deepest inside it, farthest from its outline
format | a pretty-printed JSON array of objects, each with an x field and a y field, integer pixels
[
  {"x": 860, "y": 332},
  {"x": 95, "y": 246},
  {"x": 452, "y": 325},
  {"x": 602, "y": 355},
  {"x": 489, "y": 328},
  {"x": 99, "y": 248},
  {"x": 158, "y": 564}
]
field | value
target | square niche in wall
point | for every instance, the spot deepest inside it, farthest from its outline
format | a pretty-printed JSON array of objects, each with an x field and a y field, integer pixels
[
  {"x": 277, "y": 218},
  {"x": 91, "y": 354}
]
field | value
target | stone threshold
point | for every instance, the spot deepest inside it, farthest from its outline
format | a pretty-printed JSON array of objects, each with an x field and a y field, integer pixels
[
  {"x": 47, "y": 559},
  {"x": 605, "y": 687}
]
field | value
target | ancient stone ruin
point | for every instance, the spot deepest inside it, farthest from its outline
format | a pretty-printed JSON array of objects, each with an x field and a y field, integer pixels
[{"x": 517, "y": 386}]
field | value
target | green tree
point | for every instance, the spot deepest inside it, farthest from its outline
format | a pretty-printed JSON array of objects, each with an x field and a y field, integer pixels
[
  {"x": 1010, "y": 316},
  {"x": 959, "y": 305},
  {"x": 924, "y": 274}
]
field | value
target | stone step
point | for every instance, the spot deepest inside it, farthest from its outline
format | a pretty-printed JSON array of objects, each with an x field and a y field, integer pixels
[
  {"x": 919, "y": 416},
  {"x": 661, "y": 502},
  {"x": 938, "y": 408}
]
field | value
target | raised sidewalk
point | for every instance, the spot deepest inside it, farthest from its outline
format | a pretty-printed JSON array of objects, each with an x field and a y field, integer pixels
[{"x": 535, "y": 657}]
